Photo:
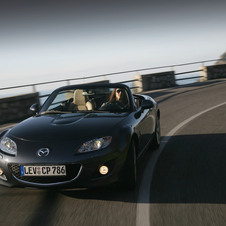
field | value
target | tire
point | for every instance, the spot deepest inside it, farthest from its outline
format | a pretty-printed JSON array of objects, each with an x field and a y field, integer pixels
[
  {"x": 130, "y": 170},
  {"x": 157, "y": 135}
]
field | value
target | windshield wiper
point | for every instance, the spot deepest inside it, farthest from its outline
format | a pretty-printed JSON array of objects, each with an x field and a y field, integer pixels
[
  {"x": 85, "y": 111},
  {"x": 54, "y": 112}
]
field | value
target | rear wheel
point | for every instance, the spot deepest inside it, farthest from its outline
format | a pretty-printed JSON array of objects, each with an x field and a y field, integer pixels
[{"x": 157, "y": 135}]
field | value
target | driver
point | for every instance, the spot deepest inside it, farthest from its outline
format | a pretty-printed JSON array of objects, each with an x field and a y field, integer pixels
[
  {"x": 118, "y": 101},
  {"x": 119, "y": 96}
]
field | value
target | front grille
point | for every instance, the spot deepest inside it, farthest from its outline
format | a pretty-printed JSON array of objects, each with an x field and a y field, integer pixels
[{"x": 72, "y": 171}]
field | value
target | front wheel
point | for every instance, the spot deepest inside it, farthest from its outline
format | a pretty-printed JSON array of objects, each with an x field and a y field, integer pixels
[{"x": 130, "y": 170}]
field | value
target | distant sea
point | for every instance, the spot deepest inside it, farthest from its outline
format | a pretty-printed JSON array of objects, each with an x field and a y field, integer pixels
[{"x": 46, "y": 91}]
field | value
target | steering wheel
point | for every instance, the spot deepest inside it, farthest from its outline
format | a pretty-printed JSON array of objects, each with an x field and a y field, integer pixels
[{"x": 112, "y": 106}]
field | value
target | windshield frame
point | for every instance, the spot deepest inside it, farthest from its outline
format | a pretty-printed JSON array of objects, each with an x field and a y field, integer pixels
[{"x": 45, "y": 108}]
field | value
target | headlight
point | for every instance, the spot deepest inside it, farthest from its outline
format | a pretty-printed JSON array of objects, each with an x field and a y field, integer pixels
[
  {"x": 95, "y": 144},
  {"x": 8, "y": 146}
]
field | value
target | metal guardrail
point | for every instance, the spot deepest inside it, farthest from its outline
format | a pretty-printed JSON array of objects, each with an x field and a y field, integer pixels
[
  {"x": 34, "y": 85},
  {"x": 133, "y": 80},
  {"x": 188, "y": 72}
]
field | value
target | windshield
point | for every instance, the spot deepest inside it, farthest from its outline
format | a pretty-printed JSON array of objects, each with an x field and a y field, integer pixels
[{"x": 100, "y": 99}]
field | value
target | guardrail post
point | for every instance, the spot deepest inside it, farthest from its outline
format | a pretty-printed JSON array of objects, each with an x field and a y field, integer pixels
[
  {"x": 34, "y": 89},
  {"x": 138, "y": 83}
]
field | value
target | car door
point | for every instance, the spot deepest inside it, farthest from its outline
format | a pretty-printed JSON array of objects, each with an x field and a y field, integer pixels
[{"x": 145, "y": 126}]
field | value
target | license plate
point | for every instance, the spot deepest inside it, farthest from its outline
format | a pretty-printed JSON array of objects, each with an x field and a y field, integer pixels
[{"x": 57, "y": 170}]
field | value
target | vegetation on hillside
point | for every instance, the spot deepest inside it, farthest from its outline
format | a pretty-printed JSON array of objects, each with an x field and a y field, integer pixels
[{"x": 222, "y": 59}]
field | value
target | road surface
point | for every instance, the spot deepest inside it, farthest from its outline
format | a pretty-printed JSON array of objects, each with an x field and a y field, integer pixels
[{"x": 182, "y": 183}]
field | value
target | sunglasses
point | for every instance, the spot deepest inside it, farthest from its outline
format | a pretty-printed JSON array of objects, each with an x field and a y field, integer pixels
[{"x": 118, "y": 90}]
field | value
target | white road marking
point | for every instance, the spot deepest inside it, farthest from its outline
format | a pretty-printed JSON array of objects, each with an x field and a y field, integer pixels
[{"x": 143, "y": 205}]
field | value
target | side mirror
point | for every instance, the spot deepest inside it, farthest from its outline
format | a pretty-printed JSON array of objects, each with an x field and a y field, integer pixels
[
  {"x": 35, "y": 108},
  {"x": 147, "y": 104}
]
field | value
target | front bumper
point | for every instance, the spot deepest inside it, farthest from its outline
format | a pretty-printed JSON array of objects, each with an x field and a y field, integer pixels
[{"x": 82, "y": 170}]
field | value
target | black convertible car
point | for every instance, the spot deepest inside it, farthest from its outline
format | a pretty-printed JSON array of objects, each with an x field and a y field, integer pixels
[{"x": 82, "y": 136}]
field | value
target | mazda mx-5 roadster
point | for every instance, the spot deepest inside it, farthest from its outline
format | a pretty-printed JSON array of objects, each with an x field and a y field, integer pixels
[{"x": 82, "y": 136}]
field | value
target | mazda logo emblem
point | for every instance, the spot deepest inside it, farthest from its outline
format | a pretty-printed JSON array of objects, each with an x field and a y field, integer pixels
[{"x": 43, "y": 152}]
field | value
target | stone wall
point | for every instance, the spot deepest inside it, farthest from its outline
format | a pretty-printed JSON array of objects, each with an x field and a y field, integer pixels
[
  {"x": 154, "y": 81},
  {"x": 17, "y": 107},
  {"x": 213, "y": 72}
]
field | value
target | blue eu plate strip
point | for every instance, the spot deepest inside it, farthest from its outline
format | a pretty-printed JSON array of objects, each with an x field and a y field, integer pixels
[{"x": 22, "y": 170}]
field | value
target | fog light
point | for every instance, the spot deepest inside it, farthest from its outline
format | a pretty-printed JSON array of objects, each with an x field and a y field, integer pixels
[
  {"x": 1, "y": 172},
  {"x": 103, "y": 170}
]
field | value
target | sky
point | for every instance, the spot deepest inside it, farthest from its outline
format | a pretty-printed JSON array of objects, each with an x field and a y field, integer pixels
[{"x": 49, "y": 40}]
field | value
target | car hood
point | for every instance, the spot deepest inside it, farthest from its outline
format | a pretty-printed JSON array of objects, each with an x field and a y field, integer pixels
[{"x": 66, "y": 126}]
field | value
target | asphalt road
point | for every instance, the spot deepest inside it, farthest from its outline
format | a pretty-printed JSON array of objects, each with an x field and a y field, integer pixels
[{"x": 187, "y": 177}]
